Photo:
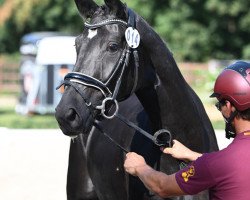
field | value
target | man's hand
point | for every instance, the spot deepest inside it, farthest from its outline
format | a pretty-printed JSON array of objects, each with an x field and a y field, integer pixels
[
  {"x": 158, "y": 182},
  {"x": 181, "y": 152},
  {"x": 133, "y": 162}
]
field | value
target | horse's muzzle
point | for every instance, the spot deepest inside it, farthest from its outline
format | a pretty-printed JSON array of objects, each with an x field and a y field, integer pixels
[{"x": 69, "y": 120}]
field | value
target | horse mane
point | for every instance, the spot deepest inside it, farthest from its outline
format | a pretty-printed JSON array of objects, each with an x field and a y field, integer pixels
[{"x": 154, "y": 45}]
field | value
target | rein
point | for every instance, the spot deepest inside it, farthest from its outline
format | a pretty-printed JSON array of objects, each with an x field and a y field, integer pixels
[{"x": 162, "y": 137}]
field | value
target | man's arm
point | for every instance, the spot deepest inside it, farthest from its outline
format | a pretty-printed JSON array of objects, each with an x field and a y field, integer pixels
[{"x": 160, "y": 183}]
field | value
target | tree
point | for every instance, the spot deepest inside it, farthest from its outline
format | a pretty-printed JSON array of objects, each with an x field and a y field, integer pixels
[
  {"x": 33, "y": 15},
  {"x": 228, "y": 25},
  {"x": 194, "y": 30},
  {"x": 182, "y": 24},
  {"x": 201, "y": 30}
]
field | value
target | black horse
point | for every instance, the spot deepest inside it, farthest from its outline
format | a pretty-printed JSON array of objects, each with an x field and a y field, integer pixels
[{"x": 151, "y": 92}]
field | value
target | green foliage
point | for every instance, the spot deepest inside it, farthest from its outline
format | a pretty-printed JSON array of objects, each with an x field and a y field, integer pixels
[
  {"x": 194, "y": 30},
  {"x": 218, "y": 124},
  {"x": 33, "y": 15},
  {"x": 143, "y": 8},
  {"x": 228, "y": 25},
  {"x": 246, "y": 52},
  {"x": 201, "y": 30}
]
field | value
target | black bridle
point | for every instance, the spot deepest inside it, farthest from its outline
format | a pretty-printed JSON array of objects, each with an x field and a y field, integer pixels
[
  {"x": 162, "y": 137},
  {"x": 110, "y": 97}
]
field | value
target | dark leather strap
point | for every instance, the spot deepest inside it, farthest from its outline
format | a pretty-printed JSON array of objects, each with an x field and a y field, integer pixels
[{"x": 88, "y": 81}]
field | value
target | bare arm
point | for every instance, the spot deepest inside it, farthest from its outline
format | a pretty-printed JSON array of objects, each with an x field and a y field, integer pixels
[
  {"x": 160, "y": 183},
  {"x": 181, "y": 152}
]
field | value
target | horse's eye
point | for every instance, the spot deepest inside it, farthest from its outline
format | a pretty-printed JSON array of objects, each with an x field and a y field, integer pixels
[{"x": 113, "y": 47}]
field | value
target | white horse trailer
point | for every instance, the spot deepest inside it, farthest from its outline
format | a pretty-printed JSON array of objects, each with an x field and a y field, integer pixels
[{"x": 40, "y": 74}]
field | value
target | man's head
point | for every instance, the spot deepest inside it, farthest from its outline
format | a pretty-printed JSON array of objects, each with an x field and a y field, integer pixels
[{"x": 233, "y": 85}]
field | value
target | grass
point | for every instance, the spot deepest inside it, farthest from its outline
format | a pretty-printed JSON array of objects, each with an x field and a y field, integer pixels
[
  {"x": 218, "y": 124},
  {"x": 9, "y": 119},
  {"x": 203, "y": 86}
]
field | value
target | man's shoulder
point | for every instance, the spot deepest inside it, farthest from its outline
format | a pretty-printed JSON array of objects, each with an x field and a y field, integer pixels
[{"x": 221, "y": 161}]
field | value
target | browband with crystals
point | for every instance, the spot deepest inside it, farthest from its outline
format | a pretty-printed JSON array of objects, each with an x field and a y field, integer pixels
[{"x": 105, "y": 22}]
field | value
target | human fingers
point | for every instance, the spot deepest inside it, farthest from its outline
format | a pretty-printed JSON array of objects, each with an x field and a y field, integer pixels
[
  {"x": 175, "y": 142},
  {"x": 133, "y": 158},
  {"x": 128, "y": 160},
  {"x": 168, "y": 150},
  {"x": 132, "y": 162},
  {"x": 132, "y": 155}
]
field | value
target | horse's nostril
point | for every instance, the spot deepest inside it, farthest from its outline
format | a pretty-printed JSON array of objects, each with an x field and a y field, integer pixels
[{"x": 71, "y": 114}]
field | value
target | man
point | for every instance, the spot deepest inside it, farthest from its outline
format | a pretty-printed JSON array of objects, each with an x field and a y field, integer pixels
[{"x": 226, "y": 173}]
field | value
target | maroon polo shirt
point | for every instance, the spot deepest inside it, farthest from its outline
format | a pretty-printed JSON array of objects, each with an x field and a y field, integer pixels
[{"x": 225, "y": 173}]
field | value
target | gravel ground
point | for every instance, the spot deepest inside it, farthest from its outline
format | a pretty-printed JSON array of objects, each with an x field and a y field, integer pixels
[{"x": 33, "y": 163}]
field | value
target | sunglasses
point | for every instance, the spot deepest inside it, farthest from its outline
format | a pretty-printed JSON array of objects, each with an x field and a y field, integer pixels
[{"x": 219, "y": 104}]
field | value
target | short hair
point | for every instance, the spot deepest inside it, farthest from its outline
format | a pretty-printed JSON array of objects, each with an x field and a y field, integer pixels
[{"x": 245, "y": 114}]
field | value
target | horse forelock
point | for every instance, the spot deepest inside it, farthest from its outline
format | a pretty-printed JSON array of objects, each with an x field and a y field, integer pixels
[{"x": 104, "y": 13}]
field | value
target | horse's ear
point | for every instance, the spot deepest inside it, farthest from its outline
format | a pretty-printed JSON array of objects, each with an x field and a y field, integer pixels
[
  {"x": 86, "y": 7},
  {"x": 117, "y": 8}
]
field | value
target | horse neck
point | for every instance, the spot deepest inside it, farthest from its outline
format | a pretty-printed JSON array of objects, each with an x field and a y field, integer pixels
[
  {"x": 180, "y": 108},
  {"x": 174, "y": 106},
  {"x": 149, "y": 100},
  {"x": 165, "y": 103}
]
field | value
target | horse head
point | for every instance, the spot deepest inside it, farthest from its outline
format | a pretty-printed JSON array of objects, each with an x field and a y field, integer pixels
[{"x": 111, "y": 65}]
